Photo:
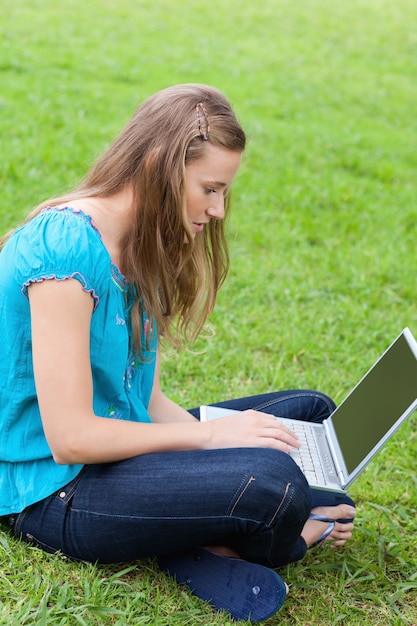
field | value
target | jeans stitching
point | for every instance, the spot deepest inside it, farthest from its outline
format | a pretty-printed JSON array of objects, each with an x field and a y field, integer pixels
[
  {"x": 56, "y": 494},
  {"x": 294, "y": 395},
  {"x": 71, "y": 491},
  {"x": 19, "y": 522},
  {"x": 280, "y": 505},
  {"x": 248, "y": 482}
]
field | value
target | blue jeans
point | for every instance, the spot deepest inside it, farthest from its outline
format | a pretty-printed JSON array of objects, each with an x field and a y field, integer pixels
[{"x": 254, "y": 500}]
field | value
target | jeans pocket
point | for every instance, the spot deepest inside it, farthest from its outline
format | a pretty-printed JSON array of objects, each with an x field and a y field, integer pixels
[{"x": 38, "y": 544}]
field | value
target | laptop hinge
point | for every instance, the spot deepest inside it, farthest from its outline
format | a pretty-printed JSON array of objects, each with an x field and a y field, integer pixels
[{"x": 334, "y": 450}]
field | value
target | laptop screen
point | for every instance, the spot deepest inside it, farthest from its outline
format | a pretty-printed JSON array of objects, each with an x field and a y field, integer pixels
[{"x": 377, "y": 402}]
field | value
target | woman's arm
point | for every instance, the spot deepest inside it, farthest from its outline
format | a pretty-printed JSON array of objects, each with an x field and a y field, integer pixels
[{"x": 61, "y": 314}]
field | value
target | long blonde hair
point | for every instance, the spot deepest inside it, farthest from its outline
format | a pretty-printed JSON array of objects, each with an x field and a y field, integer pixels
[{"x": 176, "y": 283}]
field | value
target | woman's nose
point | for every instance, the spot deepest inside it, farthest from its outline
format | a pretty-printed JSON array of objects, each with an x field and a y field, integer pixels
[{"x": 216, "y": 209}]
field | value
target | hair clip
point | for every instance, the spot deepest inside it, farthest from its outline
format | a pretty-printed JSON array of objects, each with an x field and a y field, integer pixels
[{"x": 203, "y": 119}]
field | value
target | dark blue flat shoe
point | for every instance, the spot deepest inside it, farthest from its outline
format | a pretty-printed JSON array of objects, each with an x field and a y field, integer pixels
[{"x": 247, "y": 591}]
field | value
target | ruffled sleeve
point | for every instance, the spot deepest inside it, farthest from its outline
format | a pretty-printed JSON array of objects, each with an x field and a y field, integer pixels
[{"x": 61, "y": 244}]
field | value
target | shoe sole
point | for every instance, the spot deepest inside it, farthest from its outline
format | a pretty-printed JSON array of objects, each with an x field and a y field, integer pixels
[{"x": 246, "y": 590}]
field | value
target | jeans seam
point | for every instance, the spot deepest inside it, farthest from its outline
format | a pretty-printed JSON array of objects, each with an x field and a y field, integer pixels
[
  {"x": 66, "y": 496},
  {"x": 19, "y": 522},
  {"x": 304, "y": 394},
  {"x": 280, "y": 505},
  {"x": 56, "y": 494},
  {"x": 248, "y": 482}
]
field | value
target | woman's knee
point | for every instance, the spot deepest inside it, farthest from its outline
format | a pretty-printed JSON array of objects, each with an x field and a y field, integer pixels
[
  {"x": 296, "y": 499},
  {"x": 274, "y": 486}
]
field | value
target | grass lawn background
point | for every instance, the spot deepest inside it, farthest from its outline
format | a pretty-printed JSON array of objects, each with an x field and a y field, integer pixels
[{"x": 322, "y": 239}]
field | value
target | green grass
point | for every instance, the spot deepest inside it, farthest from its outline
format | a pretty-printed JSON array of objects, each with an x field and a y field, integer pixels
[{"x": 322, "y": 243}]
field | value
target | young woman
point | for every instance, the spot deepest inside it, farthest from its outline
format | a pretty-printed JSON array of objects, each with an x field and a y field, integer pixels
[{"x": 95, "y": 461}]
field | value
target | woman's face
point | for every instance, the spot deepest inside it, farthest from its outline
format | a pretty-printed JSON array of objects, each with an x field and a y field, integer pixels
[{"x": 207, "y": 180}]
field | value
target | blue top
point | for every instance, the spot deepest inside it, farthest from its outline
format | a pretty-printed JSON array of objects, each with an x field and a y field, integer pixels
[{"x": 60, "y": 244}]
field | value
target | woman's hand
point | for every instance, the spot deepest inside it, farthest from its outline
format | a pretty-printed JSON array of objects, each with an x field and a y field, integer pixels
[{"x": 250, "y": 429}]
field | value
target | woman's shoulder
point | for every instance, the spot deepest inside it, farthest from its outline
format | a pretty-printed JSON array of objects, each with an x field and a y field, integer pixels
[
  {"x": 63, "y": 221},
  {"x": 58, "y": 242},
  {"x": 60, "y": 233}
]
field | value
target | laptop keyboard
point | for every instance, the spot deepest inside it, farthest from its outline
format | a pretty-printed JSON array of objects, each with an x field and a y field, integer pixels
[{"x": 306, "y": 457}]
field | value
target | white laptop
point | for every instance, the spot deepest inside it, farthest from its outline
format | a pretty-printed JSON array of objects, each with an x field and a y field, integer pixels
[{"x": 334, "y": 453}]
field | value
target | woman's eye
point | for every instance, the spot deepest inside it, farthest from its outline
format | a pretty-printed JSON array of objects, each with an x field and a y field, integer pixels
[{"x": 208, "y": 191}]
